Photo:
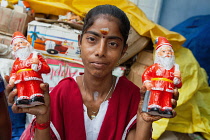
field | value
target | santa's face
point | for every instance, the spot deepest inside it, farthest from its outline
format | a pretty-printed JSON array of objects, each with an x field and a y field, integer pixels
[
  {"x": 19, "y": 43},
  {"x": 21, "y": 48},
  {"x": 165, "y": 51},
  {"x": 165, "y": 57}
]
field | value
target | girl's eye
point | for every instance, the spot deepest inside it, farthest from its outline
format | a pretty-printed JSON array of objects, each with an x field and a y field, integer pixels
[
  {"x": 113, "y": 44},
  {"x": 90, "y": 39}
]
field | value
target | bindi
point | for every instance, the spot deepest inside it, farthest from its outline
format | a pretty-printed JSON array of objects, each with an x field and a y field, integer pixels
[{"x": 104, "y": 31}]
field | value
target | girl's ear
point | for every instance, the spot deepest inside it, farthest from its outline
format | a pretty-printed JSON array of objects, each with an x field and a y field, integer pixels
[{"x": 79, "y": 40}]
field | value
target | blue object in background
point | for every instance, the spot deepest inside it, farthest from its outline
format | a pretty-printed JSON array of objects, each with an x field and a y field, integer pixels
[
  {"x": 1, "y": 84},
  {"x": 197, "y": 32},
  {"x": 18, "y": 123}
]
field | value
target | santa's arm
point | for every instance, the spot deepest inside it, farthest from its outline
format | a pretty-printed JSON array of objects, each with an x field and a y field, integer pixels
[
  {"x": 146, "y": 77},
  {"x": 43, "y": 66},
  {"x": 177, "y": 77},
  {"x": 12, "y": 75},
  {"x": 39, "y": 64}
]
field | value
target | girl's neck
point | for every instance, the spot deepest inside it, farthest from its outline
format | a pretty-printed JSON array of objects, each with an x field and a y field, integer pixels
[{"x": 100, "y": 85}]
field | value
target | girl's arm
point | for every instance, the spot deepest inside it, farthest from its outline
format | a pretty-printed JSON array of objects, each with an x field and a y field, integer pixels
[
  {"x": 42, "y": 113},
  {"x": 143, "y": 130}
]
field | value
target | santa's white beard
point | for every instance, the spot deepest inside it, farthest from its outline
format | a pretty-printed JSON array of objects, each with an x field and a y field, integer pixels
[
  {"x": 22, "y": 53},
  {"x": 165, "y": 62}
]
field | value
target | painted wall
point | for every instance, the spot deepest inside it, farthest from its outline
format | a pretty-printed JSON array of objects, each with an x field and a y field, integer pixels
[
  {"x": 169, "y": 13},
  {"x": 174, "y": 12}
]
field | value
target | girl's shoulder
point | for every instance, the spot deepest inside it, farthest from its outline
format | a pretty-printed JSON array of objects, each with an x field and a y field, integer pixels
[
  {"x": 126, "y": 83},
  {"x": 65, "y": 85}
]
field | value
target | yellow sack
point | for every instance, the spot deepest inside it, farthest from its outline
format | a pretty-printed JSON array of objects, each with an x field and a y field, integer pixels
[{"x": 193, "y": 110}]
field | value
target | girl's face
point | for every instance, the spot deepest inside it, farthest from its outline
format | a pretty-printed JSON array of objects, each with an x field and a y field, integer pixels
[{"x": 102, "y": 45}]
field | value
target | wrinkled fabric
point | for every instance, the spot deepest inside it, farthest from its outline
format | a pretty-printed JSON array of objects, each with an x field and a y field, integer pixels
[
  {"x": 197, "y": 32},
  {"x": 194, "y": 102}
]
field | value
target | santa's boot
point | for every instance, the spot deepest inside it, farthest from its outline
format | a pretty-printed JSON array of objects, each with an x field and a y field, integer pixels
[
  {"x": 37, "y": 99},
  {"x": 154, "y": 111},
  {"x": 23, "y": 101},
  {"x": 167, "y": 113}
]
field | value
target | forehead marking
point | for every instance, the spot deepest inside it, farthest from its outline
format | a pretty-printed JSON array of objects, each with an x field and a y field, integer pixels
[{"x": 104, "y": 31}]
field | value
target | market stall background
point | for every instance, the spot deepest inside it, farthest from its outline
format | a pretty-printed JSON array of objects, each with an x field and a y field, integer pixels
[{"x": 193, "y": 106}]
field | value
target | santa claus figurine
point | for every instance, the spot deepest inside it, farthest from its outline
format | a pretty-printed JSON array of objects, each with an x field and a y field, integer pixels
[
  {"x": 160, "y": 79},
  {"x": 26, "y": 72}
]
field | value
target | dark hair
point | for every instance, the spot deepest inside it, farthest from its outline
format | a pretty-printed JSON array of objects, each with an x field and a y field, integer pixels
[{"x": 109, "y": 10}]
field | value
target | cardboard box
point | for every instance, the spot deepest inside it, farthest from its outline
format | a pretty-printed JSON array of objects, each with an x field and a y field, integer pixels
[
  {"x": 143, "y": 61},
  {"x": 136, "y": 43},
  {"x": 145, "y": 58},
  {"x": 12, "y": 21},
  {"x": 54, "y": 41},
  {"x": 136, "y": 72},
  {"x": 4, "y": 39},
  {"x": 5, "y": 50},
  {"x": 133, "y": 36}
]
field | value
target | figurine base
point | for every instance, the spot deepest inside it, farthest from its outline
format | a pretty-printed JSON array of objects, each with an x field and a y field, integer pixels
[
  {"x": 24, "y": 103},
  {"x": 167, "y": 114},
  {"x": 37, "y": 100},
  {"x": 158, "y": 112},
  {"x": 154, "y": 111}
]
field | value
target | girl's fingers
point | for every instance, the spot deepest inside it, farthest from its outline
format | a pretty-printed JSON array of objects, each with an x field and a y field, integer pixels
[
  {"x": 36, "y": 110},
  {"x": 9, "y": 88},
  {"x": 16, "y": 109},
  {"x": 45, "y": 88},
  {"x": 176, "y": 94},
  {"x": 143, "y": 89},
  {"x": 11, "y": 96},
  {"x": 174, "y": 103},
  {"x": 6, "y": 77},
  {"x": 174, "y": 113},
  {"x": 149, "y": 118}
]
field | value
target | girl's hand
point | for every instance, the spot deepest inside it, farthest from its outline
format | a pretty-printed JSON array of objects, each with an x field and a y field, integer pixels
[
  {"x": 36, "y": 110},
  {"x": 148, "y": 85}
]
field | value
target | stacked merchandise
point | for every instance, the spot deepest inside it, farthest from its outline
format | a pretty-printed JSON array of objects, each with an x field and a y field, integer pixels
[{"x": 136, "y": 43}]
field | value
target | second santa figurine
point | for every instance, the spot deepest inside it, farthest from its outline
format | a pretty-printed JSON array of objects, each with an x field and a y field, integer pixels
[
  {"x": 160, "y": 79},
  {"x": 26, "y": 72}
]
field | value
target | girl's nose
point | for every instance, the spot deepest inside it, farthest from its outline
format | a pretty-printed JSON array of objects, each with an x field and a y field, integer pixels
[{"x": 101, "y": 48}]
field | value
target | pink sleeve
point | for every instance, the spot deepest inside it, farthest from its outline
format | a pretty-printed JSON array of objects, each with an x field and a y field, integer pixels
[
  {"x": 56, "y": 118},
  {"x": 29, "y": 132}
]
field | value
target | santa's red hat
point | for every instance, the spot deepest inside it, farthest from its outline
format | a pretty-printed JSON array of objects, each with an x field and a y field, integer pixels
[
  {"x": 160, "y": 41},
  {"x": 17, "y": 35}
]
